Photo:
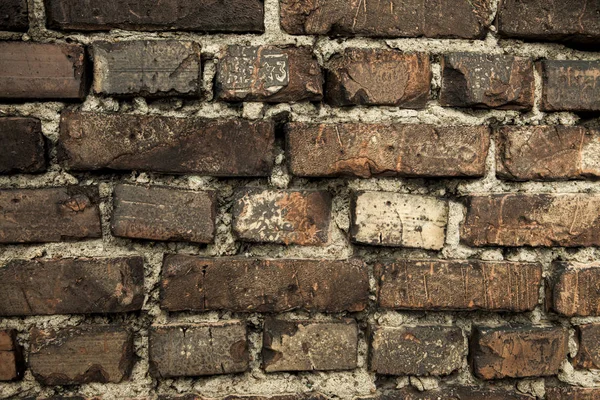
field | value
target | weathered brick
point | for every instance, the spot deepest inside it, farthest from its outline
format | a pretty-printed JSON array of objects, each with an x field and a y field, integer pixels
[
  {"x": 516, "y": 219},
  {"x": 366, "y": 150},
  {"x": 570, "y": 85},
  {"x": 465, "y": 19},
  {"x": 573, "y": 21},
  {"x": 46, "y": 71},
  {"x": 298, "y": 396},
  {"x": 250, "y": 285},
  {"x": 91, "y": 141},
  {"x": 198, "y": 349},
  {"x": 13, "y": 15},
  {"x": 458, "y": 285},
  {"x": 309, "y": 345},
  {"x": 588, "y": 355},
  {"x": 149, "y": 15},
  {"x": 379, "y": 77},
  {"x": 453, "y": 393},
  {"x": 22, "y": 146},
  {"x": 487, "y": 81},
  {"x": 49, "y": 215},
  {"x": 417, "y": 350},
  {"x": 83, "y": 354},
  {"x": 72, "y": 286},
  {"x": 518, "y": 352},
  {"x": 575, "y": 292},
  {"x": 282, "y": 216},
  {"x": 269, "y": 73},
  {"x": 572, "y": 393},
  {"x": 12, "y": 364},
  {"x": 162, "y": 213},
  {"x": 394, "y": 219},
  {"x": 147, "y": 68}
]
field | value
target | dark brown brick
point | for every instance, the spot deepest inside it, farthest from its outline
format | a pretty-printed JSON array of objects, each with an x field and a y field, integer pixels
[
  {"x": 576, "y": 289},
  {"x": 458, "y": 285},
  {"x": 199, "y": 349},
  {"x": 453, "y": 393},
  {"x": 13, "y": 15},
  {"x": 487, "y": 81},
  {"x": 573, "y": 21},
  {"x": 149, "y": 68},
  {"x": 588, "y": 355},
  {"x": 162, "y": 213},
  {"x": 309, "y": 345},
  {"x": 366, "y": 150},
  {"x": 467, "y": 19},
  {"x": 72, "y": 286},
  {"x": 91, "y": 141},
  {"x": 298, "y": 396},
  {"x": 251, "y": 285},
  {"x": 570, "y": 85},
  {"x": 22, "y": 146},
  {"x": 149, "y": 15},
  {"x": 282, "y": 216},
  {"x": 572, "y": 393},
  {"x": 568, "y": 220},
  {"x": 49, "y": 215},
  {"x": 269, "y": 73},
  {"x": 519, "y": 352},
  {"x": 417, "y": 350},
  {"x": 46, "y": 71},
  {"x": 12, "y": 364},
  {"x": 83, "y": 354},
  {"x": 379, "y": 77}
]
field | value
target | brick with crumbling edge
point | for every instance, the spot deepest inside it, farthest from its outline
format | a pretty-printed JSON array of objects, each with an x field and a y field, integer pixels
[
  {"x": 49, "y": 215},
  {"x": 572, "y": 393},
  {"x": 518, "y": 352},
  {"x": 12, "y": 363},
  {"x": 14, "y": 16},
  {"x": 268, "y": 73},
  {"x": 259, "y": 285},
  {"x": 82, "y": 354},
  {"x": 198, "y": 349},
  {"x": 574, "y": 289},
  {"x": 570, "y": 85},
  {"x": 71, "y": 286},
  {"x": 309, "y": 345},
  {"x": 22, "y": 146},
  {"x": 452, "y": 393},
  {"x": 588, "y": 353}
]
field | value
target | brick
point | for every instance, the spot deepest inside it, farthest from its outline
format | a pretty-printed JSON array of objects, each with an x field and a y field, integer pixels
[
  {"x": 402, "y": 220},
  {"x": 575, "y": 291},
  {"x": 550, "y": 20},
  {"x": 588, "y": 355},
  {"x": 570, "y": 85},
  {"x": 22, "y": 146},
  {"x": 309, "y": 345},
  {"x": 13, "y": 15},
  {"x": 379, "y": 77},
  {"x": 416, "y": 350},
  {"x": 269, "y": 73},
  {"x": 518, "y": 352},
  {"x": 453, "y": 393},
  {"x": 487, "y": 81},
  {"x": 572, "y": 393},
  {"x": 547, "y": 153},
  {"x": 49, "y": 215},
  {"x": 162, "y": 213},
  {"x": 83, "y": 354},
  {"x": 91, "y": 141},
  {"x": 252, "y": 285},
  {"x": 458, "y": 285},
  {"x": 72, "y": 286},
  {"x": 366, "y": 150},
  {"x": 198, "y": 349},
  {"x": 298, "y": 396},
  {"x": 464, "y": 19},
  {"x": 282, "y": 216},
  {"x": 148, "y": 15},
  {"x": 46, "y": 71},
  {"x": 12, "y": 364},
  {"x": 151, "y": 68},
  {"x": 538, "y": 220}
]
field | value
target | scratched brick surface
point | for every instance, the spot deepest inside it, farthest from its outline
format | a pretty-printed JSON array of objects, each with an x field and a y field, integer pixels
[
  {"x": 575, "y": 289},
  {"x": 588, "y": 353},
  {"x": 570, "y": 85}
]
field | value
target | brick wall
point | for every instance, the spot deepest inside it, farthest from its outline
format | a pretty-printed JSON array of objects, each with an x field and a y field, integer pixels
[{"x": 300, "y": 199}]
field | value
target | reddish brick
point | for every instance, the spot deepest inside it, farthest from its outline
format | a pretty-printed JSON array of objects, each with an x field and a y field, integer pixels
[
  {"x": 518, "y": 352},
  {"x": 22, "y": 146},
  {"x": 270, "y": 74},
  {"x": 575, "y": 292},
  {"x": 162, "y": 213},
  {"x": 199, "y": 349},
  {"x": 366, "y": 150},
  {"x": 250, "y": 285},
  {"x": 453, "y": 393},
  {"x": 568, "y": 220},
  {"x": 46, "y": 71},
  {"x": 12, "y": 364},
  {"x": 570, "y": 85},
  {"x": 434, "y": 285},
  {"x": 49, "y": 215},
  {"x": 282, "y": 216},
  {"x": 588, "y": 355},
  {"x": 91, "y": 141},
  {"x": 87, "y": 353},
  {"x": 572, "y": 393},
  {"x": 13, "y": 15}
]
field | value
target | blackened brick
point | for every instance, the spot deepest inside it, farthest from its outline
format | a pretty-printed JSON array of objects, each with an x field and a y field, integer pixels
[
  {"x": 13, "y": 15},
  {"x": 22, "y": 146},
  {"x": 588, "y": 354},
  {"x": 572, "y": 393},
  {"x": 570, "y": 85}
]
